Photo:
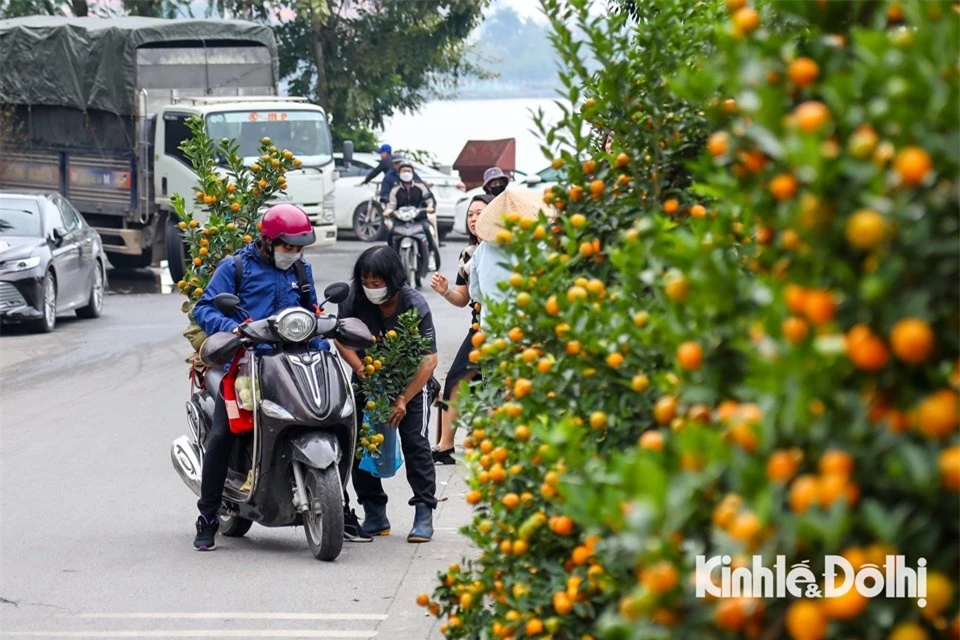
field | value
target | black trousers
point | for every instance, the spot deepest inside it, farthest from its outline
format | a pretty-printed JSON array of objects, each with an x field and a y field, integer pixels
[
  {"x": 216, "y": 461},
  {"x": 417, "y": 458}
]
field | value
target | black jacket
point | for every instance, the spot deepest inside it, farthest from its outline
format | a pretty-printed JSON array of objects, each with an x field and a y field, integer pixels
[
  {"x": 386, "y": 164},
  {"x": 414, "y": 194}
]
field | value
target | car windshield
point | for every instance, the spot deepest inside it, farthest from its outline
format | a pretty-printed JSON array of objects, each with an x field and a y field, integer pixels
[
  {"x": 19, "y": 217},
  {"x": 305, "y": 133}
]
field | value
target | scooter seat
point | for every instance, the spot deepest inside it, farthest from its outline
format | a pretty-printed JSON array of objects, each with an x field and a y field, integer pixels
[{"x": 212, "y": 379}]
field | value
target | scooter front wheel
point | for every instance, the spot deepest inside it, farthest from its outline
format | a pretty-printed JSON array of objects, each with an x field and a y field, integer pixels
[{"x": 323, "y": 520}]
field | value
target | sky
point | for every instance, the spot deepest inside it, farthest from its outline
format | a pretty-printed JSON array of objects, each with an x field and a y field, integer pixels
[{"x": 526, "y": 8}]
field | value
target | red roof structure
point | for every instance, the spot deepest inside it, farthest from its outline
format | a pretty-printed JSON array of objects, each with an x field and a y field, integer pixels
[{"x": 479, "y": 155}]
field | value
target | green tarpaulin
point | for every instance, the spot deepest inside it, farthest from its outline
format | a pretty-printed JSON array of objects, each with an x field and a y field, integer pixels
[{"x": 91, "y": 63}]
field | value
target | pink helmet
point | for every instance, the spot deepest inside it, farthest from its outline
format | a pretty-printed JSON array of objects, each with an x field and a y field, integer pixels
[{"x": 289, "y": 224}]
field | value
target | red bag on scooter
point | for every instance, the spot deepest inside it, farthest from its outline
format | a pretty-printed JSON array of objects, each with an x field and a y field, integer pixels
[{"x": 240, "y": 419}]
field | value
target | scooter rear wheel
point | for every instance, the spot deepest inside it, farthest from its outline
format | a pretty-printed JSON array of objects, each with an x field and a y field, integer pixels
[
  {"x": 234, "y": 526},
  {"x": 323, "y": 521}
]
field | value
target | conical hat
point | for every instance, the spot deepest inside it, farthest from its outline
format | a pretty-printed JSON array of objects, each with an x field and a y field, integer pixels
[{"x": 528, "y": 203}]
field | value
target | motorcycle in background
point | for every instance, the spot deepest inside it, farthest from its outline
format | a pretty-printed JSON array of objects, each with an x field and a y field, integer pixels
[
  {"x": 410, "y": 242},
  {"x": 291, "y": 468}
]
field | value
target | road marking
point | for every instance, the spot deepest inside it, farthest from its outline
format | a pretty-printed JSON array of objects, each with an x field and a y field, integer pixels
[
  {"x": 242, "y": 615},
  {"x": 198, "y": 633}
]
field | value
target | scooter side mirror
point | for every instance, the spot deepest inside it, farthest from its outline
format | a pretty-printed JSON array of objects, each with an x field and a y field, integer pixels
[
  {"x": 226, "y": 303},
  {"x": 354, "y": 334},
  {"x": 337, "y": 292},
  {"x": 219, "y": 349}
]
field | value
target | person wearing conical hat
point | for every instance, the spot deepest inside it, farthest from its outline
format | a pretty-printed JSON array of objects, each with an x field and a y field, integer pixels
[{"x": 491, "y": 264}]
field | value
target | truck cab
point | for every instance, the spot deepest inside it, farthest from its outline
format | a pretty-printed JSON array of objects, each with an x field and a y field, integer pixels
[
  {"x": 96, "y": 109},
  {"x": 291, "y": 123}
]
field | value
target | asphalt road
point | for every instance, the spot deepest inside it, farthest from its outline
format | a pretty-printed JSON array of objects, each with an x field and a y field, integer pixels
[{"x": 96, "y": 528}]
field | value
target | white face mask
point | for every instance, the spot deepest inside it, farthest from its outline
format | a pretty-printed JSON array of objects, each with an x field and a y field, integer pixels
[
  {"x": 285, "y": 260},
  {"x": 376, "y": 296},
  {"x": 406, "y": 176}
]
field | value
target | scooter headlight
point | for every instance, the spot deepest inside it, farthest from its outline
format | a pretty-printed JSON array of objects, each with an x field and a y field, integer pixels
[
  {"x": 296, "y": 325},
  {"x": 406, "y": 214}
]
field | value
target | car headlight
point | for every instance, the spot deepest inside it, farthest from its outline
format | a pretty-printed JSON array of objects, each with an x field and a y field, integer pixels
[
  {"x": 20, "y": 265},
  {"x": 296, "y": 325}
]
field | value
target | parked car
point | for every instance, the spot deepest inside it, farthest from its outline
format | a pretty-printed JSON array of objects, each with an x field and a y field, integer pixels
[
  {"x": 355, "y": 212},
  {"x": 541, "y": 180},
  {"x": 51, "y": 261}
]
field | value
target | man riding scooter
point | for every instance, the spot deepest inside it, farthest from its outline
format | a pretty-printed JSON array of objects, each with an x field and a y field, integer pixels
[
  {"x": 391, "y": 179},
  {"x": 272, "y": 276},
  {"x": 411, "y": 192}
]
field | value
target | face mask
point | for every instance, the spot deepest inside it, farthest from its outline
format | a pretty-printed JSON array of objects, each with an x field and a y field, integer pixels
[
  {"x": 285, "y": 260},
  {"x": 406, "y": 176},
  {"x": 376, "y": 296},
  {"x": 498, "y": 189}
]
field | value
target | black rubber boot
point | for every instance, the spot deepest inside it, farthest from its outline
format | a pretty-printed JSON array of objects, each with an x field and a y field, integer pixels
[
  {"x": 422, "y": 525},
  {"x": 375, "y": 521}
]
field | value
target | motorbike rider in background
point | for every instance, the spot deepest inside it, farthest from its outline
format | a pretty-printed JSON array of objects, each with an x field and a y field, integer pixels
[
  {"x": 391, "y": 178},
  {"x": 384, "y": 166},
  {"x": 412, "y": 192},
  {"x": 495, "y": 181}
]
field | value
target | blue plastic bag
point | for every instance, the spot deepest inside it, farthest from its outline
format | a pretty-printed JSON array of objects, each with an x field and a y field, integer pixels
[{"x": 390, "y": 458}]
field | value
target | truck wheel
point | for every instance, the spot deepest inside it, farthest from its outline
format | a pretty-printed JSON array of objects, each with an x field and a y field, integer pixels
[{"x": 176, "y": 251}]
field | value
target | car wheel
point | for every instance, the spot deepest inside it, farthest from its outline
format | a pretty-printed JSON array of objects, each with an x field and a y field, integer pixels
[
  {"x": 48, "y": 305},
  {"x": 368, "y": 222},
  {"x": 95, "y": 301}
]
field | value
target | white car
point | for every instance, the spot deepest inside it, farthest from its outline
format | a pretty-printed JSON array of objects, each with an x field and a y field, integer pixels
[
  {"x": 540, "y": 180},
  {"x": 359, "y": 210}
]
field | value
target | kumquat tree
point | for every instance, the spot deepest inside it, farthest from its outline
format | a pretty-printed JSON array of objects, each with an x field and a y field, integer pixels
[
  {"x": 227, "y": 207},
  {"x": 736, "y": 340}
]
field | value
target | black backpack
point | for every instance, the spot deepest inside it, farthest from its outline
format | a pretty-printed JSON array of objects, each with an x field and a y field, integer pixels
[{"x": 299, "y": 266}]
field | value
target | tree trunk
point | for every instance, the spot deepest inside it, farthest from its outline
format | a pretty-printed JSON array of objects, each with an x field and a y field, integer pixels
[
  {"x": 318, "y": 19},
  {"x": 80, "y": 8}
]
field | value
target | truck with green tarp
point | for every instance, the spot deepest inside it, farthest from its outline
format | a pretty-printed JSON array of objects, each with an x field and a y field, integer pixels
[{"x": 97, "y": 109}]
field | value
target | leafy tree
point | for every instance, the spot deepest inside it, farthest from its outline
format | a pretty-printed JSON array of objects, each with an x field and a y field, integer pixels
[
  {"x": 363, "y": 63},
  {"x": 22, "y": 8}
]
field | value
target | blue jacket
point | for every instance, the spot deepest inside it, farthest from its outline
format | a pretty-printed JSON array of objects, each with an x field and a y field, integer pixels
[{"x": 264, "y": 291}]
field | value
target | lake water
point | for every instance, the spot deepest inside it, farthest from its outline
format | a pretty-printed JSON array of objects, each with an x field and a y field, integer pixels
[{"x": 443, "y": 127}]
